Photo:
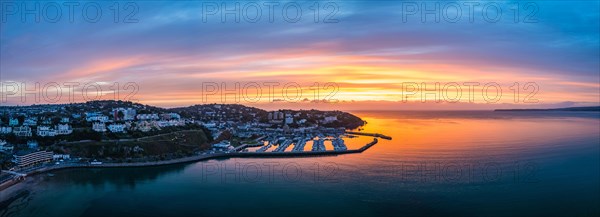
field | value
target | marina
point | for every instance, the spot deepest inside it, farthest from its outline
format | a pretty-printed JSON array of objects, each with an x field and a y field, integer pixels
[{"x": 281, "y": 145}]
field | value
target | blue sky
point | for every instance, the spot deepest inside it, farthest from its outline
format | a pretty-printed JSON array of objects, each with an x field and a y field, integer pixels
[{"x": 372, "y": 48}]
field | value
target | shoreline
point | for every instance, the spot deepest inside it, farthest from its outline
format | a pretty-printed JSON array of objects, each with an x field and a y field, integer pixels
[{"x": 191, "y": 159}]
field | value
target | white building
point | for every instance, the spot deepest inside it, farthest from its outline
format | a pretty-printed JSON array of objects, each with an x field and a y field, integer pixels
[
  {"x": 100, "y": 118},
  {"x": 170, "y": 123},
  {"x": 24, "y": 159},
  {"x": 289, "y": 119},
  {"x": 23, "y": 131},
  {"x": 147, "y": 117},
  {"x": 128, "y": 113},
  {"x": 13, "y": 122},
  {"x": 63, "y": 129},
  {"x": 30, "y": 122},
  {"x": 116, "y": 128},
  {"x": 223, "y": 146},
  {"x": 99, "y": 127},
  {"x": 61, "y": 157},
  {"x": 5, "y": 130},
  {"x": 44, "y": 131},
  {"x": 170, "y": 116},
  {"x": 330, "y": 119}
]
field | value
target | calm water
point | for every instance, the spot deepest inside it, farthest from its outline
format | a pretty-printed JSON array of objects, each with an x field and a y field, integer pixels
[{"x": 463, "y": 163}]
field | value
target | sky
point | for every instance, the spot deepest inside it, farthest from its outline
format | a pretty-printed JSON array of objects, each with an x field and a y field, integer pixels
[{"x": 359, "y": 55}]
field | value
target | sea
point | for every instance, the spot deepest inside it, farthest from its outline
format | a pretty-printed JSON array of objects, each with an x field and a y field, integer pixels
[{"x": 459, "y": 163}]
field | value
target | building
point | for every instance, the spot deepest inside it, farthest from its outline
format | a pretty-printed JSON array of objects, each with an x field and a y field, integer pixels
[
  {"x": 116, "y": 128},
  {"x": 61, "y": 157},
  {"x": 32, "y": 144},
  {"x": 145, "y": 117},
  {"x": 29, "y": 158},
  {"x": 276, "y": 115},
  {"x": 330, "y": 119},
  {"x": 13, "y": 122},
  {"x": 44, "y": 131},
  {"x": 145, "y": 126},
  {"x": 128, "y": 114},
  {"x": 65, "y": 120},
  {"x": 5, "y": 130},
  {"x": 289, "y": 119},
  {"x": 4, "y": 146},
  {"x": 170, "y": 116},
  {"x": 23, "y": 131},
  {"x": 170, "y": 123},
  {"x": 63, "y": 129},
  {"x": 30, "y": 121},
  {"x": 99, "y": 127},
  {"x": 224, "y": 145},
  {"x": 100, "y": 118}
]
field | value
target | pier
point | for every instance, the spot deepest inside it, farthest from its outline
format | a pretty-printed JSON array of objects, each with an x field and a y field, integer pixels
[{"x": 369, "y": 134}]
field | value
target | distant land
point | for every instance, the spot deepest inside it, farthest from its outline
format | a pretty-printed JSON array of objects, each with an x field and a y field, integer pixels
[{"x": 570, "y": 109}]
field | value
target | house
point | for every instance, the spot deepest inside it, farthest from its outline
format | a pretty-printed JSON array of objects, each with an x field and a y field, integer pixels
[
  {"x": 145, "y": 126},
  {"x": 23, "y": 131},
  {"x": 170, "y": 123},
  {"x": 275, "y": 115},
  {"x": 128, "y": 114},
  {"x": 224, "y": 145},
  {"x": 330, "y": 119},
  {"x": 170, "y": 116},
  {"x": 27, "y": 158},
  {"x": 32, "y": 144},
  {"x": 99, "y": 127},
  {"x": 289, "y": 119},
  {"x": 116, "y": 128},
  {"x": 61, "y": 157},
  {"x": 13, "y": 122},
  {"x": 63, "y": 129},
  {"x": 4, "y": 146},
  {"x": 147, "y": 117},
  {"x": 100, "y": 118},
  {"x": 5, "y": 130},
  {"x": 65, "y": 120},
  {"x": 44, "y": 131},
  {"x": 30, "y": 121}
]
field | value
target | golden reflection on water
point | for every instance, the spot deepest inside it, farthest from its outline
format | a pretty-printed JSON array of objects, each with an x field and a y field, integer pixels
[{"x": 421, "y": 136}]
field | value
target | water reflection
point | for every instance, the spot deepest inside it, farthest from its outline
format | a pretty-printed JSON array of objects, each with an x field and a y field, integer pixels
[{"x": 462, "y": 163}]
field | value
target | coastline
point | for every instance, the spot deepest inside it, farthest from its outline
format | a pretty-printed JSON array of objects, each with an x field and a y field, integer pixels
[{"x": 197, "y": 158}]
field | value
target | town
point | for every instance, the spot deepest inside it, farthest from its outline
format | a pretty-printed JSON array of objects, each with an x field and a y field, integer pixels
[{"x": 96, "y": 132}]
